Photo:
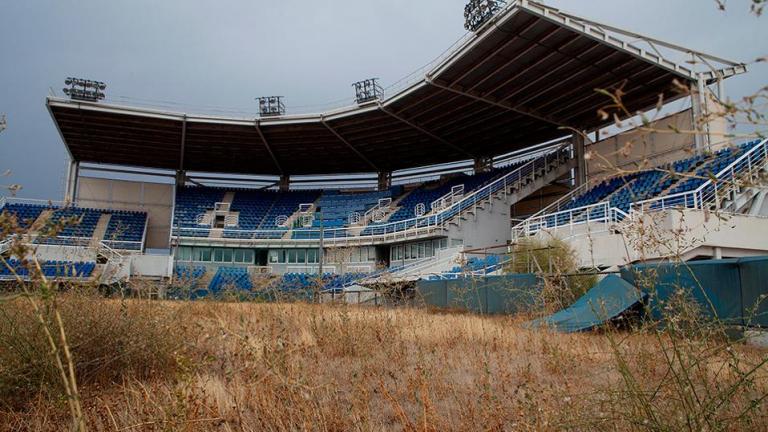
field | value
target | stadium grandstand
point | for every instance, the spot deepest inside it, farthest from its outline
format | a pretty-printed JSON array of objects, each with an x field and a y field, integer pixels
[{"x": 484, "y": 147}]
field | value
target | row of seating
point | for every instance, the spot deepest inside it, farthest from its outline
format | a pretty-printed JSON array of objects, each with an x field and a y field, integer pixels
[
  {"x": 258, "y": 210},
  {"x": 70, "y": 225},
  {"x": 621, "y": 191},
  {"x": 50, "y": 269}
]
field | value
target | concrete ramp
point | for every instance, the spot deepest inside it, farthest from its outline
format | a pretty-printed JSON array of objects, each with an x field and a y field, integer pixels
[{"x": 607, "y": 300}]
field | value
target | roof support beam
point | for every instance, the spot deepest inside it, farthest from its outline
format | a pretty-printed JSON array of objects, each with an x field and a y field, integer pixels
[
  {"x": 268, "y": 147},
  {"x": 422, "y": 130},
  {"x": 492, "y": 101},
  {"x": 351, "y": 147},
  {"x": 183, "y": 142}
]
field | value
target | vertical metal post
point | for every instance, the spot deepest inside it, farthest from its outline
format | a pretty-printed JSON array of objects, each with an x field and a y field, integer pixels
[{"x": 321, "y": 252}]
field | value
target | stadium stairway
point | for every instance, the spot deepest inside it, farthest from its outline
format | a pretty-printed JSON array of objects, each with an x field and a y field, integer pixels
[
  {"x": 477, "y": 216},
  {"x": 101, "y": 229}
]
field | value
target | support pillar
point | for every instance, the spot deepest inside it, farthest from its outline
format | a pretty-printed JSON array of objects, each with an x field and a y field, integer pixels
[
  {"x": 385, "y": 180},
  {"x": 68, "y": 182},
  {"x": 181, "y": 178},
  {"x": 284, "y": 185},
  {"x": 73, "y": 178},
  {"x": 579, "y": 153},
  {"x": 700, "y": 117},
  {"x": 483, "y": 164}
]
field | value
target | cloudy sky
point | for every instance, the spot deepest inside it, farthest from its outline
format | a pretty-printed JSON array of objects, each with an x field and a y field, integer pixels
[{"x": 216, "y": 56}]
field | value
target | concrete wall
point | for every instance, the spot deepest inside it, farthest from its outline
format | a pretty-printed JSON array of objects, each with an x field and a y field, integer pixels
[
  {"x": 629, "y": 149},
  {"x": 63, "y": 253},
  {"x": 159, "y": 266},
  {"x": 154, "y": 198},
  {"x": 489, "y": 227},
  {"x": 674, "y": 234}
]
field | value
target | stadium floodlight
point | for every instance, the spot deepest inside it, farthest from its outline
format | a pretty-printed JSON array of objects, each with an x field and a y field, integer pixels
[
  {"x": 367, "y": 90},
  {"x": 3, "y": 124},
  {"x": 270, "y": 106},
  {"x": 83, "y": 89},
  {"x": 478, "y": 12}
]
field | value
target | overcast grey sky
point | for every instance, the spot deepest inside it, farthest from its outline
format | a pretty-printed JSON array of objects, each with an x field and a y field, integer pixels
[{"x": 223, "y": 53}]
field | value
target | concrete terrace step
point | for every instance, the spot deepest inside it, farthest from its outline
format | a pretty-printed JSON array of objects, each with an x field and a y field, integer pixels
[{"x": 101, "y": 229}]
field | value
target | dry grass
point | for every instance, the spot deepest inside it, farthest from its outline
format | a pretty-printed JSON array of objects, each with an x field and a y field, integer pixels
[{"x": 312, "y": 367}]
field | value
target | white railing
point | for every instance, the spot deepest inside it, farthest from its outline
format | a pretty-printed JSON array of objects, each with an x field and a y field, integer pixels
[
  {"x": 5, "y": 245},
  {"x": 447, "y": 200},
  {"x": 231, "y": 220},
  {"x": 566, "y": 199},
  {"x": 124, "y": 245},
  {"x": 108, "y": 252},
  {"x": 221, "y": 208},
  {"x": 378, "y": 212},
  {"x": 743, "y": 171},
  {"x": 588, "y": 219},
  {"x": 411, "y": 228}
]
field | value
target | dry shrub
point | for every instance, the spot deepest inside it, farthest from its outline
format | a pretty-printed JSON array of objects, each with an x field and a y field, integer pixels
[
  {"x": 110, "y": 340},
  {"x": 556, "y": 261}
]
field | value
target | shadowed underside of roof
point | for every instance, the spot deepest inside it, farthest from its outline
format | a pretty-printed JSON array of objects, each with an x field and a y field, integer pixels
[{"x": 525, "y": 79}]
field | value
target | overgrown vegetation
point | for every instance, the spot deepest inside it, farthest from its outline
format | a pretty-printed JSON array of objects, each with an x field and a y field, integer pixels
[
  {"x": 555, "y": 260},
  {"x": 109, "y": 340},
  {"x": 322, "y": 367}
]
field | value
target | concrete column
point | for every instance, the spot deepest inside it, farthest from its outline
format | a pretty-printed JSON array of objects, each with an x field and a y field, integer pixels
[
  {"x": 68, "y": 182},
  {"x": 74, "y": 180},
  {"x": 284, "y": 185},
  {"x": 385, "y": 180},
  {"x": 579, "y": 153},
  {"x": 701, "y": 106},
  {"x": 483, "y": 164}
]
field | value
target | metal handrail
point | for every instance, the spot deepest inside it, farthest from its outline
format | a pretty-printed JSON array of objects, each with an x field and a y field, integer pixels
[{"x": 754, "y": 159}]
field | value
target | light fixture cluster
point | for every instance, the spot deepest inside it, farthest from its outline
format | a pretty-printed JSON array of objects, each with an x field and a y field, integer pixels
[
  {"x": 367, "y": 90},
  {"x": 271, "y": 106},
  {"x": 478, "y": 12},
  {"x": 83, "y": 89}
]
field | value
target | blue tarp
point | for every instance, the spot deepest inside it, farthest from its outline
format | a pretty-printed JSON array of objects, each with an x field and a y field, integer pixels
[
  {"x": 715, "y": 285},
  {"x": 611, "y": 297},
  {"x": 730, "y": 290}
]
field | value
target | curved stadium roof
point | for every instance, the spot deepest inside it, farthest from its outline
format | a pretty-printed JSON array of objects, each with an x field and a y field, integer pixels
[{"x": 526, "y": 77}]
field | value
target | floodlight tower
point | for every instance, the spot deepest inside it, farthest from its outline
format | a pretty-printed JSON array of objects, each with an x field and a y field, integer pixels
[
  {"x": 367, "y": 90},
  {"x": 3, "y": 124},
  {"x": 478, "y": 12},
  {"x": 271, "y": 106},
  {"x": 84, "y": 90}
]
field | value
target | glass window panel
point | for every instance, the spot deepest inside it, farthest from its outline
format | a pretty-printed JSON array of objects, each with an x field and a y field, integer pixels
[
  {"x": 247, "y": 257},
  {"x": 205, "y": 254}
]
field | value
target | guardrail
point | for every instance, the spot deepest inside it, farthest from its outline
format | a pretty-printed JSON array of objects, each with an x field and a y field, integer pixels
[
  {"x": 743, "y": 171},
  {"x": 576, "y": 221},
  {"x": 405, "y": 229}
]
